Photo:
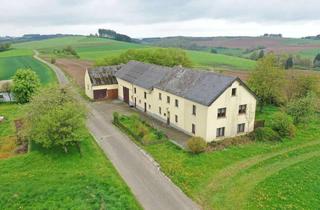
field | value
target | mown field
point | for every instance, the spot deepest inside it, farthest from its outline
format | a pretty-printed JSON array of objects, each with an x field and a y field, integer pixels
[
  {"x": 259, "y": 175},
  {"x": 15, "y": 59},
  {"x": 45, "y": 179},
  {"x": 93, "y": 48}
]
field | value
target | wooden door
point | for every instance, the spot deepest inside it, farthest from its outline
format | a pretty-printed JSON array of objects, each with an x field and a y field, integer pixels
[{"x": 126, "y": 95}]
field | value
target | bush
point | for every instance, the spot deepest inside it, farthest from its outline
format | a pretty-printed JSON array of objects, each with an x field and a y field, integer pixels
[
  {"x": 115, "y": 117},
  {"x": 282, "y": 124},
  {"x": 266, "y": 134},
  {"x": 196, "y": 145},
  {"x": 53, "y": 60}
]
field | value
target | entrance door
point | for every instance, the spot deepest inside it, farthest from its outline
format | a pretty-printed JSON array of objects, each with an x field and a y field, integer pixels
[
  {"x": 126, "y": 95},
  {"x": 145, "y": 107}
]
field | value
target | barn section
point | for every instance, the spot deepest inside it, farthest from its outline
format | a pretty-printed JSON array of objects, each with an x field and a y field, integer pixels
[{"x": 101, "y": 83}]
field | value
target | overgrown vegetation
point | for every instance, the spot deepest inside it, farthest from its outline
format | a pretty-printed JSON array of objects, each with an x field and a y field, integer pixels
[
  {"x": 161, "y": 56},
  {"x": 139, "y": 129}
]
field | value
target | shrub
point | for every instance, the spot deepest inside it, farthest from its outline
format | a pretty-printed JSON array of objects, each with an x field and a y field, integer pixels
[
  {"x": 148, "y": 138},
  {"x": 266, "y": 134},
  {"x": 282, "y": 124},
  {"x": 196, "y": 145}
]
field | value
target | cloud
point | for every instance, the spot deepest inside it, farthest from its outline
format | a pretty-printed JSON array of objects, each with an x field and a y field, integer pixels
[{"x": 36, "y": 14}]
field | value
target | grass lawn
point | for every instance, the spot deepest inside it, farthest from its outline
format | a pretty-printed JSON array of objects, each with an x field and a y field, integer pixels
[
  {"x": 45, "y": 179},
  {"x": 231, "y": 178}
]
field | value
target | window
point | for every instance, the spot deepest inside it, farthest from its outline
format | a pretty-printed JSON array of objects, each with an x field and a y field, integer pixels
[
  {"x": 193, "y": 128},
  {"x": 234, "y": 91},
  {"x": 242, "y": 109},
  {"x": 220, "y": 132},
  {"x": 145, "y": 95},
  {"x": 160, "y": 96},
  {"x": 194, "y": 109},
  {"x": 168, "y": 99},
  {"x": 177, "y": 103},
  {"x": 135, "y": 90},
  {"x": 222, "y": 112},
  {"x": 159, "y": 110},
  {"x": 241, "y": 128},
  {"x": 176, "y": 118}
]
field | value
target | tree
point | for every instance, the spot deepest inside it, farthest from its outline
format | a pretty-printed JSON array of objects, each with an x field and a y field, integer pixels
[
  {"x": 316, "y": 61},
  {"x": 25, "y": 84},
  {"x": 214, "y": 51},
  {"x": 7, "y": 89},
  {"x": 267, "y": 80},
  {"x": 302, "y": 109},
  {"x": 261, "y": 54},
  {"x": 55, "y": 118},
  {"x": 289, "y": 63}
]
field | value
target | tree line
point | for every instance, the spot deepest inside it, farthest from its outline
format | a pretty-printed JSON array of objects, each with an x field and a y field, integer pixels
[
  {"x": 107, "y": 33},
  {"x": 161, "y": 56},
  {"x": 4, "y": 47}
]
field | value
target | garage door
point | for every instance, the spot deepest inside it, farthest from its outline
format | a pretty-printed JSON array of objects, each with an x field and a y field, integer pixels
[{"x": 99, "y": 94}]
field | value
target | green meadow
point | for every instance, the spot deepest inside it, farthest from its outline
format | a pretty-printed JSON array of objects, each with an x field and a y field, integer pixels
[{"x": 258, "y": 175}]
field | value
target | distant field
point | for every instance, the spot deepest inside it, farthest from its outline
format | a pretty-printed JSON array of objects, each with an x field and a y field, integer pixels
[
  {"x": 88, "y": 48},
  {"x": 203, "y": 59},
  {"x": 93, "y": 48},
  {"x": 9, "y": 65}
]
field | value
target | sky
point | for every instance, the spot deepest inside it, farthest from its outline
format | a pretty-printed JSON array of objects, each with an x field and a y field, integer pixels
[{"x": 160, "y": 18}]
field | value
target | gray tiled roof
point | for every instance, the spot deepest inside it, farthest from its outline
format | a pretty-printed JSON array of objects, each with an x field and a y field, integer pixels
[
  {"x": 104, "y": 75},
  {"x": 199, "y": 86}
]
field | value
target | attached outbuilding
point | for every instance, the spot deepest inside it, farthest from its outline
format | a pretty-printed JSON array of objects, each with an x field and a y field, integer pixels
[{"x": 101, "y": 83}]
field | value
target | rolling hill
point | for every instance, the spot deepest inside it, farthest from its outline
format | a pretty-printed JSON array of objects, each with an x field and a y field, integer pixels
[{"x": 93, "y": 48}]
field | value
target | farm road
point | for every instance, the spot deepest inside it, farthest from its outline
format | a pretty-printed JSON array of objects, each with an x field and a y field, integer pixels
[{"x": 151, "y": 187}]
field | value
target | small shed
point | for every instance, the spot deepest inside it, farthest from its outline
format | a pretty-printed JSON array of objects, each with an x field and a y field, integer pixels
[
  {"x": 101, "y": 83},
  {"x": 5, "y": 92}
]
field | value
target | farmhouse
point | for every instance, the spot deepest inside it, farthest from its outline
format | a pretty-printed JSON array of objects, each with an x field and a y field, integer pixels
[
  {"x": 199, "y": 103},
  {"x": 5, "y": 94}
]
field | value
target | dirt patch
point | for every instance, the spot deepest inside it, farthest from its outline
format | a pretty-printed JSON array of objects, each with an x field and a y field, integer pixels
[{"x": 75, "y": 68}]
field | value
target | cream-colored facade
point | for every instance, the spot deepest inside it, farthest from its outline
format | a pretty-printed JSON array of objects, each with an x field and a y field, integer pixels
[{"x": 193, "y": 118}]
